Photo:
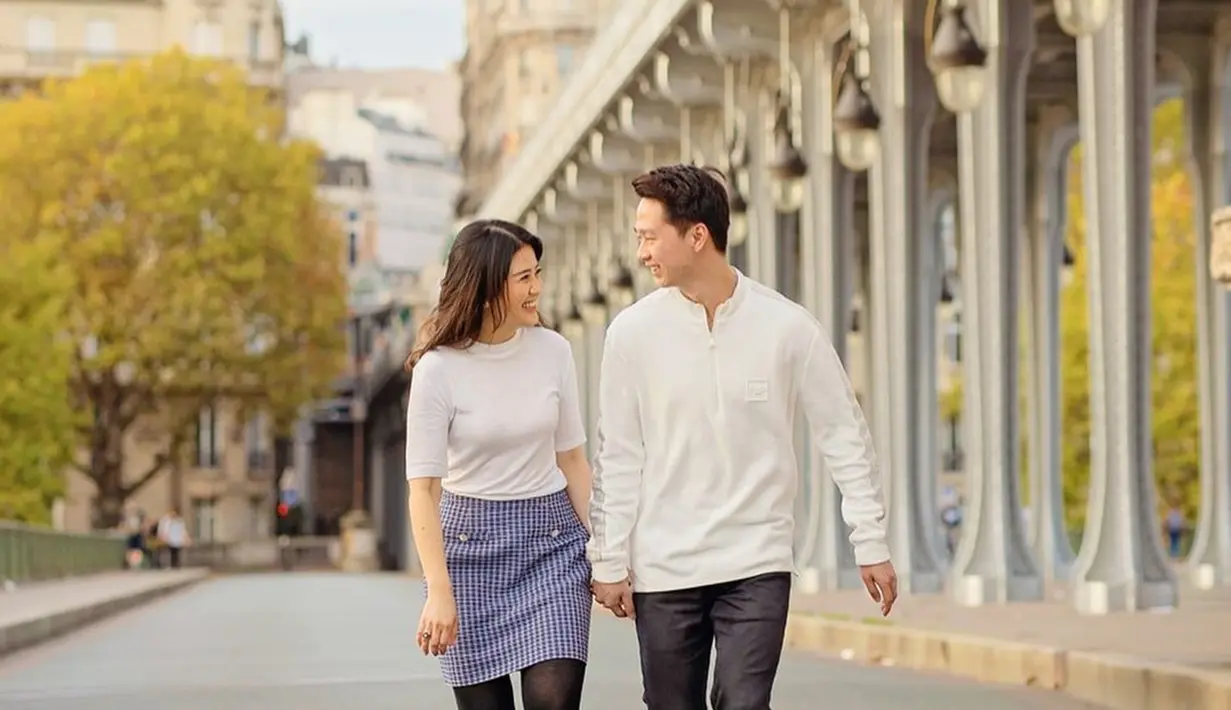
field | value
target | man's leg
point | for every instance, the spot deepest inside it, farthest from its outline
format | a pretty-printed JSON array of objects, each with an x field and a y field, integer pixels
[
  {"x": 749, "y": 618},
  {"x": 675, "y": 635}
]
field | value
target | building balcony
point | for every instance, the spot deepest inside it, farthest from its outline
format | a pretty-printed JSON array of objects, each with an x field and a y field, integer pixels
[{"x": 30, "y": 65}]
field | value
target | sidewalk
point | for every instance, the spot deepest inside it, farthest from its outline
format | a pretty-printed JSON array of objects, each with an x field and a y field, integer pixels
[
  {"x": 40, "y": 611},
  {"x": 1179, "y": 660}
]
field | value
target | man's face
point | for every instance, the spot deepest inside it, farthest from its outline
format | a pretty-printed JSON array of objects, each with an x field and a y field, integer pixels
[{"x": 668, "y": 254}]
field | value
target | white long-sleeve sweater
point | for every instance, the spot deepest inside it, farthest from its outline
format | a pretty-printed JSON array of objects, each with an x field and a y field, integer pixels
[{"x": 696, "y": 476}]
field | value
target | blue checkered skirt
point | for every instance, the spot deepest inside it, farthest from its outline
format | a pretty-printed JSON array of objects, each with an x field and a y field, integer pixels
[{"x": 521, "y": 581}]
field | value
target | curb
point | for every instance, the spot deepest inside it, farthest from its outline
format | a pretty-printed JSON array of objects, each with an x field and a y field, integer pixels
[
  {"x": 25, "y": 634},
  {"x": 1115, "y": 682}
]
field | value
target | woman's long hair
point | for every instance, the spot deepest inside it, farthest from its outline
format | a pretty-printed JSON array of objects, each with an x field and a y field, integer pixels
[{"x": 476, "y": 275}]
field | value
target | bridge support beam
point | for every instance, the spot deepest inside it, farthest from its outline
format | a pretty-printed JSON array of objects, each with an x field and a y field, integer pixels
[
  {"x": 993, "y": 562},
  {"x": 1120, "y": 566}
]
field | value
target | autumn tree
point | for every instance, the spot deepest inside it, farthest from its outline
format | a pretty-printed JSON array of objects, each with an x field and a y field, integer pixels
[
  {"x": 202, "y": 264},
  {"x": 37, "y": 421},
  {"x": 1174, "y": 340}
]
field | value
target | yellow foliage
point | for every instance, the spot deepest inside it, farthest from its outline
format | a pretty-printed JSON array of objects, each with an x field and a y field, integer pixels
[{"x": 192, "y": 232}]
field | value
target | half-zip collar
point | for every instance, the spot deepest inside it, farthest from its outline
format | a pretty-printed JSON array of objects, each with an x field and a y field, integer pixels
[{"x": 724, "y": 309}]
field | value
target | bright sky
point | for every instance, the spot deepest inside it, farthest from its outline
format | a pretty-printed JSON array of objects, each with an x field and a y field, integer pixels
[{"x": 379, "y": 33}]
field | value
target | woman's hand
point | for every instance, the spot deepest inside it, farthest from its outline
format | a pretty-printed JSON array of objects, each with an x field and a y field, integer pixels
[{"x": 438, "y": 623}]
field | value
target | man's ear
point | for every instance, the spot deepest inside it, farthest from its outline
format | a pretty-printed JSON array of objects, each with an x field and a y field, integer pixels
[{"x": 700, "y": 234}]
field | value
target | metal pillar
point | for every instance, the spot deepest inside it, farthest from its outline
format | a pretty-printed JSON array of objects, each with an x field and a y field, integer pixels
[
  {"x": 762, "y": 241},
  {"x": 1120, "y": 565},
  {"x": 992, "y": 562},
  {"x": 1208, "y": 104},
  {"x": 898, "y": 194},
  {"x": 1055, "y": 134},
  {"x": 826, "y": 253}
]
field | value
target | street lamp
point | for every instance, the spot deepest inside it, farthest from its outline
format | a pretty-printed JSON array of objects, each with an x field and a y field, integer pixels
[
  {"x": 856, "y": 124},
  {"x": 573, "y": 326},
  {"x": 957, "y": 59},
  {"x": 623, "y": 286},
  {"x": 1081, "y": 18},
  {"x": 787, "y": 166},
  {"x": 594, "y": 306}
]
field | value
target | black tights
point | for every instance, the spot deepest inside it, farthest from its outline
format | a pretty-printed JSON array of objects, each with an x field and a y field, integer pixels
[{"x": 550, "y": 685}]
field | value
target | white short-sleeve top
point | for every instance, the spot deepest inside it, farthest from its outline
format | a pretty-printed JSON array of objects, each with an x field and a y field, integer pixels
[{"x": 489, "y": 419}]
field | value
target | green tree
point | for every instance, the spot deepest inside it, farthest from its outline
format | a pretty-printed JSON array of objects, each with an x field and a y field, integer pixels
[
  {"x": 202, "y": 264},
  {"x": 1174, "y": 341},
  {"x": 37, "y": 420}
]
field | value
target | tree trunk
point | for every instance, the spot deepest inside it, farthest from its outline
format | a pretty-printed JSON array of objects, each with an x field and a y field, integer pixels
[
  {"x": 108, "y": 509},
  {"x": 107, "y": 469}
]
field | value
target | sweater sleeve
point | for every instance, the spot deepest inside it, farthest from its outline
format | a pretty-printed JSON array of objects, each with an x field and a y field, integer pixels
[
  {"x": 616, "y": 494},
  {"x": 841, "y": 435}
]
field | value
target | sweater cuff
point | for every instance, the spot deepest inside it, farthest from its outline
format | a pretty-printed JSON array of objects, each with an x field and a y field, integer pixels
[
  {"x": 609, "y": 571},
  {"x": 872, "y": 552}
]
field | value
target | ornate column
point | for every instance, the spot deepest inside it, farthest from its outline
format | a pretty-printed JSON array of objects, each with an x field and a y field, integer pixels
[
  {"x": 898, "y": 190},
  {"x": 1053, "y": 137},
  {"x": 992, "y": 562},
  {"x": 1208, "y": 107},
  {"x": 1120, "y": 565},
  {"x": 826, "y": 255}
]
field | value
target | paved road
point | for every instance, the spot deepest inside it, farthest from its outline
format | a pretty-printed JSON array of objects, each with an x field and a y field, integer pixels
[{"x": 324, "y": 641}]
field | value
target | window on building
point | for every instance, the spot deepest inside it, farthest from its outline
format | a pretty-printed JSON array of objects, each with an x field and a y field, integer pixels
[
  {"x": 203, "y": 523},
  {"x": 352, "y": 248},
  {"x": 100, "y": 38},
  {"x": 40, "y": 34},
  {"x": 207, "y": 438},
  {"x": 254, "y": 40},
  {"x": 255, "y": 440},
  {"x": 564, "y": 59},
  {"x": 207, "y": 38}
]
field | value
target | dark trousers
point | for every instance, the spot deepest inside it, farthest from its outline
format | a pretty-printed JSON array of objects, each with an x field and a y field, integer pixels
[{"x": 743, "y": 621}]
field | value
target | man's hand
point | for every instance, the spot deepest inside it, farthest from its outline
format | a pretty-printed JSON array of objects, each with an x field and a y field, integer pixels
[
  {"x": 616, "y": 597},
  {"x": 882, "y": 584}
]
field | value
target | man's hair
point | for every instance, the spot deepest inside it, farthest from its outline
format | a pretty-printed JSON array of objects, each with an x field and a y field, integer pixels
[{"x": 689, "y": 195}]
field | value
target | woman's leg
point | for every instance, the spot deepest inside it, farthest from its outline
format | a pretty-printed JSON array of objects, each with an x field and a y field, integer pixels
[
  {"x": 553, "y": 685},
  {"x": 493, "y": 695}
]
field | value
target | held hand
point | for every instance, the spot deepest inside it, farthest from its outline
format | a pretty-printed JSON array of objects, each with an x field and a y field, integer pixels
[
  {"x": 437, "y": 623},
  {"x": 882, "y": 583},
  {"x": 616, "y": 597}
]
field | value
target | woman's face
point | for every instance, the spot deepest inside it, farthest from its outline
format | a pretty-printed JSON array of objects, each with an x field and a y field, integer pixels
[{"x": 521, "y": 293}]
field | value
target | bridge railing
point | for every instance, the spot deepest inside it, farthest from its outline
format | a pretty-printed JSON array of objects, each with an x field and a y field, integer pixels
[{"x": 30, "y": 554}]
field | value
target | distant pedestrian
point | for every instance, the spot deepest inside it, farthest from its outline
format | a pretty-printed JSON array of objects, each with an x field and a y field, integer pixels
[
  {"x": 1175, "y": 531},
  {"x": 173, "y": 534},
  {"x": 499, "y": 482}
]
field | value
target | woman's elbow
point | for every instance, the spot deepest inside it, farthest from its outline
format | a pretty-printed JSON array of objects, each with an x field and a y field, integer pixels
[
  {"x": 423, "y": 488},
  {"x": 572, "y": 460}
]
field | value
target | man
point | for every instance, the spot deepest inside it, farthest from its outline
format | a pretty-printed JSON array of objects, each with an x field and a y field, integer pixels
[
  {"x": 173, "y": 533},
  {"x": 696, "y": 478}
]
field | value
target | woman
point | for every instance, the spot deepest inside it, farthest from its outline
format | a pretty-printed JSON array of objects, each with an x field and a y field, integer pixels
[{"x": 499, "y": 482}]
